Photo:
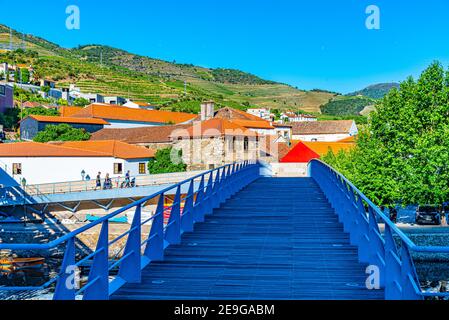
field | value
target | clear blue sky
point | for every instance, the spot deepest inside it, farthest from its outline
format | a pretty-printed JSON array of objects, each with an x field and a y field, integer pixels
[{"x": 309, "y": 44}]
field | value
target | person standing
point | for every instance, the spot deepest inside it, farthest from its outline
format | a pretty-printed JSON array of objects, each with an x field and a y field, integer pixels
[
  {"x": 98, "y": 181},
  {"x": 127, "y": 179}
]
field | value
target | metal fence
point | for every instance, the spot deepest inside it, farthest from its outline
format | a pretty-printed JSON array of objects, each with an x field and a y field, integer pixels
[
  {"x": 221, "y": 184},
  {"x": 391, "y": 251}
]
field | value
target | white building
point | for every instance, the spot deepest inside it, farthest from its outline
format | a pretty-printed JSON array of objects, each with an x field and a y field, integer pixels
[
  {"x": 117, "y": 100},
  {"x": 293, "y": 117},
  {"x": 42, "y": 163},
  {"x": 262, "y": 113},
  {"x": 138, "y": 105},
  {"x": 325, "y": 131}
]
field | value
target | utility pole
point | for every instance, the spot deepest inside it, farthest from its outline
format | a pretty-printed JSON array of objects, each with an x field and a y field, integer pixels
[
  {"x": 185, "y": 87},
  {"x": 101, "y": 57}
]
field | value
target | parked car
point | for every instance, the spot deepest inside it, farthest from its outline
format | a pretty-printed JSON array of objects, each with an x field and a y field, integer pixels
[{"x": 428, "y": 215}]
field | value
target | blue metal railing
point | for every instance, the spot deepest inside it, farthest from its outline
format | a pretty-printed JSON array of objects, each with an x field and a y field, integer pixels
[
  {"x": 221, "y": 184},
  {"x": 360, "y": 218}
]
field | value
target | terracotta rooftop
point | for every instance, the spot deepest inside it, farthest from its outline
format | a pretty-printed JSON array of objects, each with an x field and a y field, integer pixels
[
  {"x": 112, "y": 148},
  {"x": 234, "y": 114},
  {"x": 214, "y": 128},
  {"x": 66, "y": 111},
  {"x": 160, "y": 134},
  {"x": 322, "y": 127},
  {"x": 56, "y": 119},
  {"x": 114, "y": 112},
  {"x": 259, "y": 124},
  {"x": 75, "y": 149}
]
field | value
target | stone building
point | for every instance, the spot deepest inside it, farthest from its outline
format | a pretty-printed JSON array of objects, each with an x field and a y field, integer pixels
[{"x": 214, "y": 143}]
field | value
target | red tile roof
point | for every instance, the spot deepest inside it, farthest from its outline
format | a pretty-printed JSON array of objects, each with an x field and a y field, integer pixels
[
  {"x": 322, "y": 127},
  {"x": 253, "y": 124},
  {"x": 160, "y": 134},
  {"x": 113, "y": 148},
  {"x": 56, "y": 119},
  {"x": 67, "y": 111},
  {"x": 81, "y": 149},
  {"x": 214, "y": 128},
  {"x": 114, "y": 112}
]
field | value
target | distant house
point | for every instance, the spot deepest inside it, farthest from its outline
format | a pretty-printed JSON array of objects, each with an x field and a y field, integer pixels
[
  {"x": 262, "y": 113},
  {"x": 293, "y": 117},
  {"x": 6, "y": 97},
  {"x": 123, "y": 117},
  {"x": 283, "y": 132},
  {"x": 114, "y": 100},
  {"x": 138, "y": 105},
  {"x": 33, "y": 124},
  {"x": 325, "y": 131},
  {"x": 47, "y": 83},
  {"x": 92, "y": 97},
  {"x": 55, "y": 93},
  {"x": 51, "y": 163}
]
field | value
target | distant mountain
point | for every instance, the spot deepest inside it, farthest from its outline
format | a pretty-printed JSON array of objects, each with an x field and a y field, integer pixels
[
  {"x": 376, "y": 91},
  {"x": 168, "y": 85},
  {"x": 347, "y": 105}
]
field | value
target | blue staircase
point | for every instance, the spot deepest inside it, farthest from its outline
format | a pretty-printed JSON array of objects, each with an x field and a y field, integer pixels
[{"x": 276, "y": 239}]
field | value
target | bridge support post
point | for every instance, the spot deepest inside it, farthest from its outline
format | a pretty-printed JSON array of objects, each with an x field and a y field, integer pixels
[
  {"x": 130, "y": 266},
  {"x": 65, "y": 290},
  {"x": 208, "y": 207},
  {"x": 173, "y": 231},
  {"x": 154, "y": 249},
  {"x": 392, "y": 267},
  {"x": 97, "y": 287},
  {"x": 198, "y": 208},
  {"x": 187, "y": 212},
  {"x": 410, "y": 285}
]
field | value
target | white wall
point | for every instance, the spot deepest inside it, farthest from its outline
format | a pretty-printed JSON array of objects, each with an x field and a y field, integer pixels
[
  {"x": 321, "y": 137},
  {"x": 60, "y": 169}
]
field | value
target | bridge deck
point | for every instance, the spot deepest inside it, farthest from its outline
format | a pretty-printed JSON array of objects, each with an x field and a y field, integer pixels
[{"x": 276, "y": 239}]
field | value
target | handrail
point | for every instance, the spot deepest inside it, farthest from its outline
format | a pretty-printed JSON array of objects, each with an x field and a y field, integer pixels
[
  {"x": 399, "y": 276},
  {"x": 215, "y": 187},
  {"x": 90, "y": 185}
]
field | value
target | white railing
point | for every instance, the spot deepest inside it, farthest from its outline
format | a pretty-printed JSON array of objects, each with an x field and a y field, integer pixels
[{"x": 117, "y": 183}]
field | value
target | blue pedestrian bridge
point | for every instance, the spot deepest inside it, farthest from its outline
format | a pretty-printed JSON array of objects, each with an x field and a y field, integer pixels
[{"x": 241, "y": 234}]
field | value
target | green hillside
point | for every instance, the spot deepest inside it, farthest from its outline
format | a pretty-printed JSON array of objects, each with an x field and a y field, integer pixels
[
  {"x": 376, "y": 91},
  {"x": 110, "y": 71},
  {"x": 344, "y": 106}
]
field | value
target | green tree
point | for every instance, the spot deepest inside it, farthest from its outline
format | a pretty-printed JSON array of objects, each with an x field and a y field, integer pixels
[
  {"x": 162, "y": 163},
  {"x": 25, "y": 75},
  {"x": 81, "y": 102},
  {"x": 61, "y": 132},
  {"x": 39, "y": 111},
  {"x": 403, "y": 155},
  {"x": 10, "y": 118}
]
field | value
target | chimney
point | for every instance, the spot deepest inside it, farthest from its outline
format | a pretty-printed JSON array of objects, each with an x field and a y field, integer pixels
[{"x": 207, "y": 110}]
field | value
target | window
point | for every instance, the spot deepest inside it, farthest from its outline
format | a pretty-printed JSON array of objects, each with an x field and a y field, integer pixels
[
  {"x": 142, "y": 168},
  {"x": 118, "y": 168},
  {"x": 2, "y": 90},
  {"x": 211, "y": 166},
  {"x": 16, "y": 168}
]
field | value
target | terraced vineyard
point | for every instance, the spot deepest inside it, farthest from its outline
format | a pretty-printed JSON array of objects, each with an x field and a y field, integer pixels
[{"x": 159, "y": 82}]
